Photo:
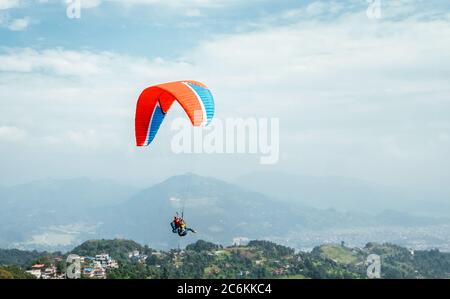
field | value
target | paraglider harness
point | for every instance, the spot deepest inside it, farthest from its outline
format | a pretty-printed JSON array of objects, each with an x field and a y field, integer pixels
[{"x": 178, "y": 225}]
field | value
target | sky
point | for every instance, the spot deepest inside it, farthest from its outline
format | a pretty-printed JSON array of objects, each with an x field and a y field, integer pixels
[{"x": 357, "y": 95}]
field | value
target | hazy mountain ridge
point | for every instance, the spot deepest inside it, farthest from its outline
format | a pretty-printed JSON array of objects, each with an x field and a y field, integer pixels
[
  {"x": 347, "y": 193},
  {"x": 219, "y": 210},
  {"x": 54, "y": 207},
  {"x": 222, "y": 211}
]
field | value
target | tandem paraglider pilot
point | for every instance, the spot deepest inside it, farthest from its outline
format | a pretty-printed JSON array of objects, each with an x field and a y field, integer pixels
[{"x": 179, "y": 226}]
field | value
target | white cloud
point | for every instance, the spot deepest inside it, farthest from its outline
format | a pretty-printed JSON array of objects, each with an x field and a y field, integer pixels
[
  {"x": 8, "y": 4},
  {"x": 317, "y": 8},
  {"x": 354, "y": 96},
  {"x": 180, "y": 3},
  {"x": 195, "y": 12},
  {"x": 89, "y": 3},
  {"x": 191, "y": 4},
  {"x": 55, "y": 61},
  {"x": 88, "y": 138},
  {"x": 19, "y": 24},
  {"x": 12, "y": 134}
]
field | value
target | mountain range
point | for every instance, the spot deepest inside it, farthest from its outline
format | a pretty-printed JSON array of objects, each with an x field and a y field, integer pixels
[
  {"x": 55, "y": 214},
  {"x": 347, "y": 193}
]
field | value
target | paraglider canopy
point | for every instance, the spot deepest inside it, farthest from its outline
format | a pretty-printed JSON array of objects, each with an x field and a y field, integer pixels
[{"x": 154, "y": 102}]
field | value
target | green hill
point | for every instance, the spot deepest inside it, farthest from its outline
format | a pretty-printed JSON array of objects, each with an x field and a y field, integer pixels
[
  {"x": 257, "y": 259},
  {"x": 22, "y": 258},
  {"x": 12, "y": 272},
  {"x": 117, "y": 248},
  {"x": 396, "y": 261},
  {"x": 340, "y": 254}
]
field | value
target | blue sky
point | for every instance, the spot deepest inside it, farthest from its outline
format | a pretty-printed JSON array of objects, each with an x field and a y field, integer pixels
[
  {"x": 156, "y": 28},
  {"x": 111, "y": 25},
  {"x": 356, "y": 96}
]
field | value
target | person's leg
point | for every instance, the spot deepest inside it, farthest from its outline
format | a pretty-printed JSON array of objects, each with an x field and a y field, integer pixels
[
  {"x": 174, "y": 228},
  {"x": 190, "y": 229}
]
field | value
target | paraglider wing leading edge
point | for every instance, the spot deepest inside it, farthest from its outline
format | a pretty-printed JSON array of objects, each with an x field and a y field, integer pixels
[{"x": 154, "y": 103}]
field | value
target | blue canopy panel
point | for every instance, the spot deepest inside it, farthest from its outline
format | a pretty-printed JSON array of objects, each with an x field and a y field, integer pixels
[
  {"x": 155, "y": 122},
  {"x": 207, "y": 99}
]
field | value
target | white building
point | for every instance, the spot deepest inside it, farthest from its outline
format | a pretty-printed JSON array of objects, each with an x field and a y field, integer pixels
[
  {"x": 36, "y": 273},
  {"x": 240, "y": 241},
  {"x": 133, "y": 253},
  {"x": 102, "y": 257}
]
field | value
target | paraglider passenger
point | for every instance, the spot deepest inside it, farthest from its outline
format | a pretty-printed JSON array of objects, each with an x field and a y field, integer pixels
[
  {"x": 176, "y": 223},
  {"x": 179, "y": 226},
  {"x": 183, "y": 230}
]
